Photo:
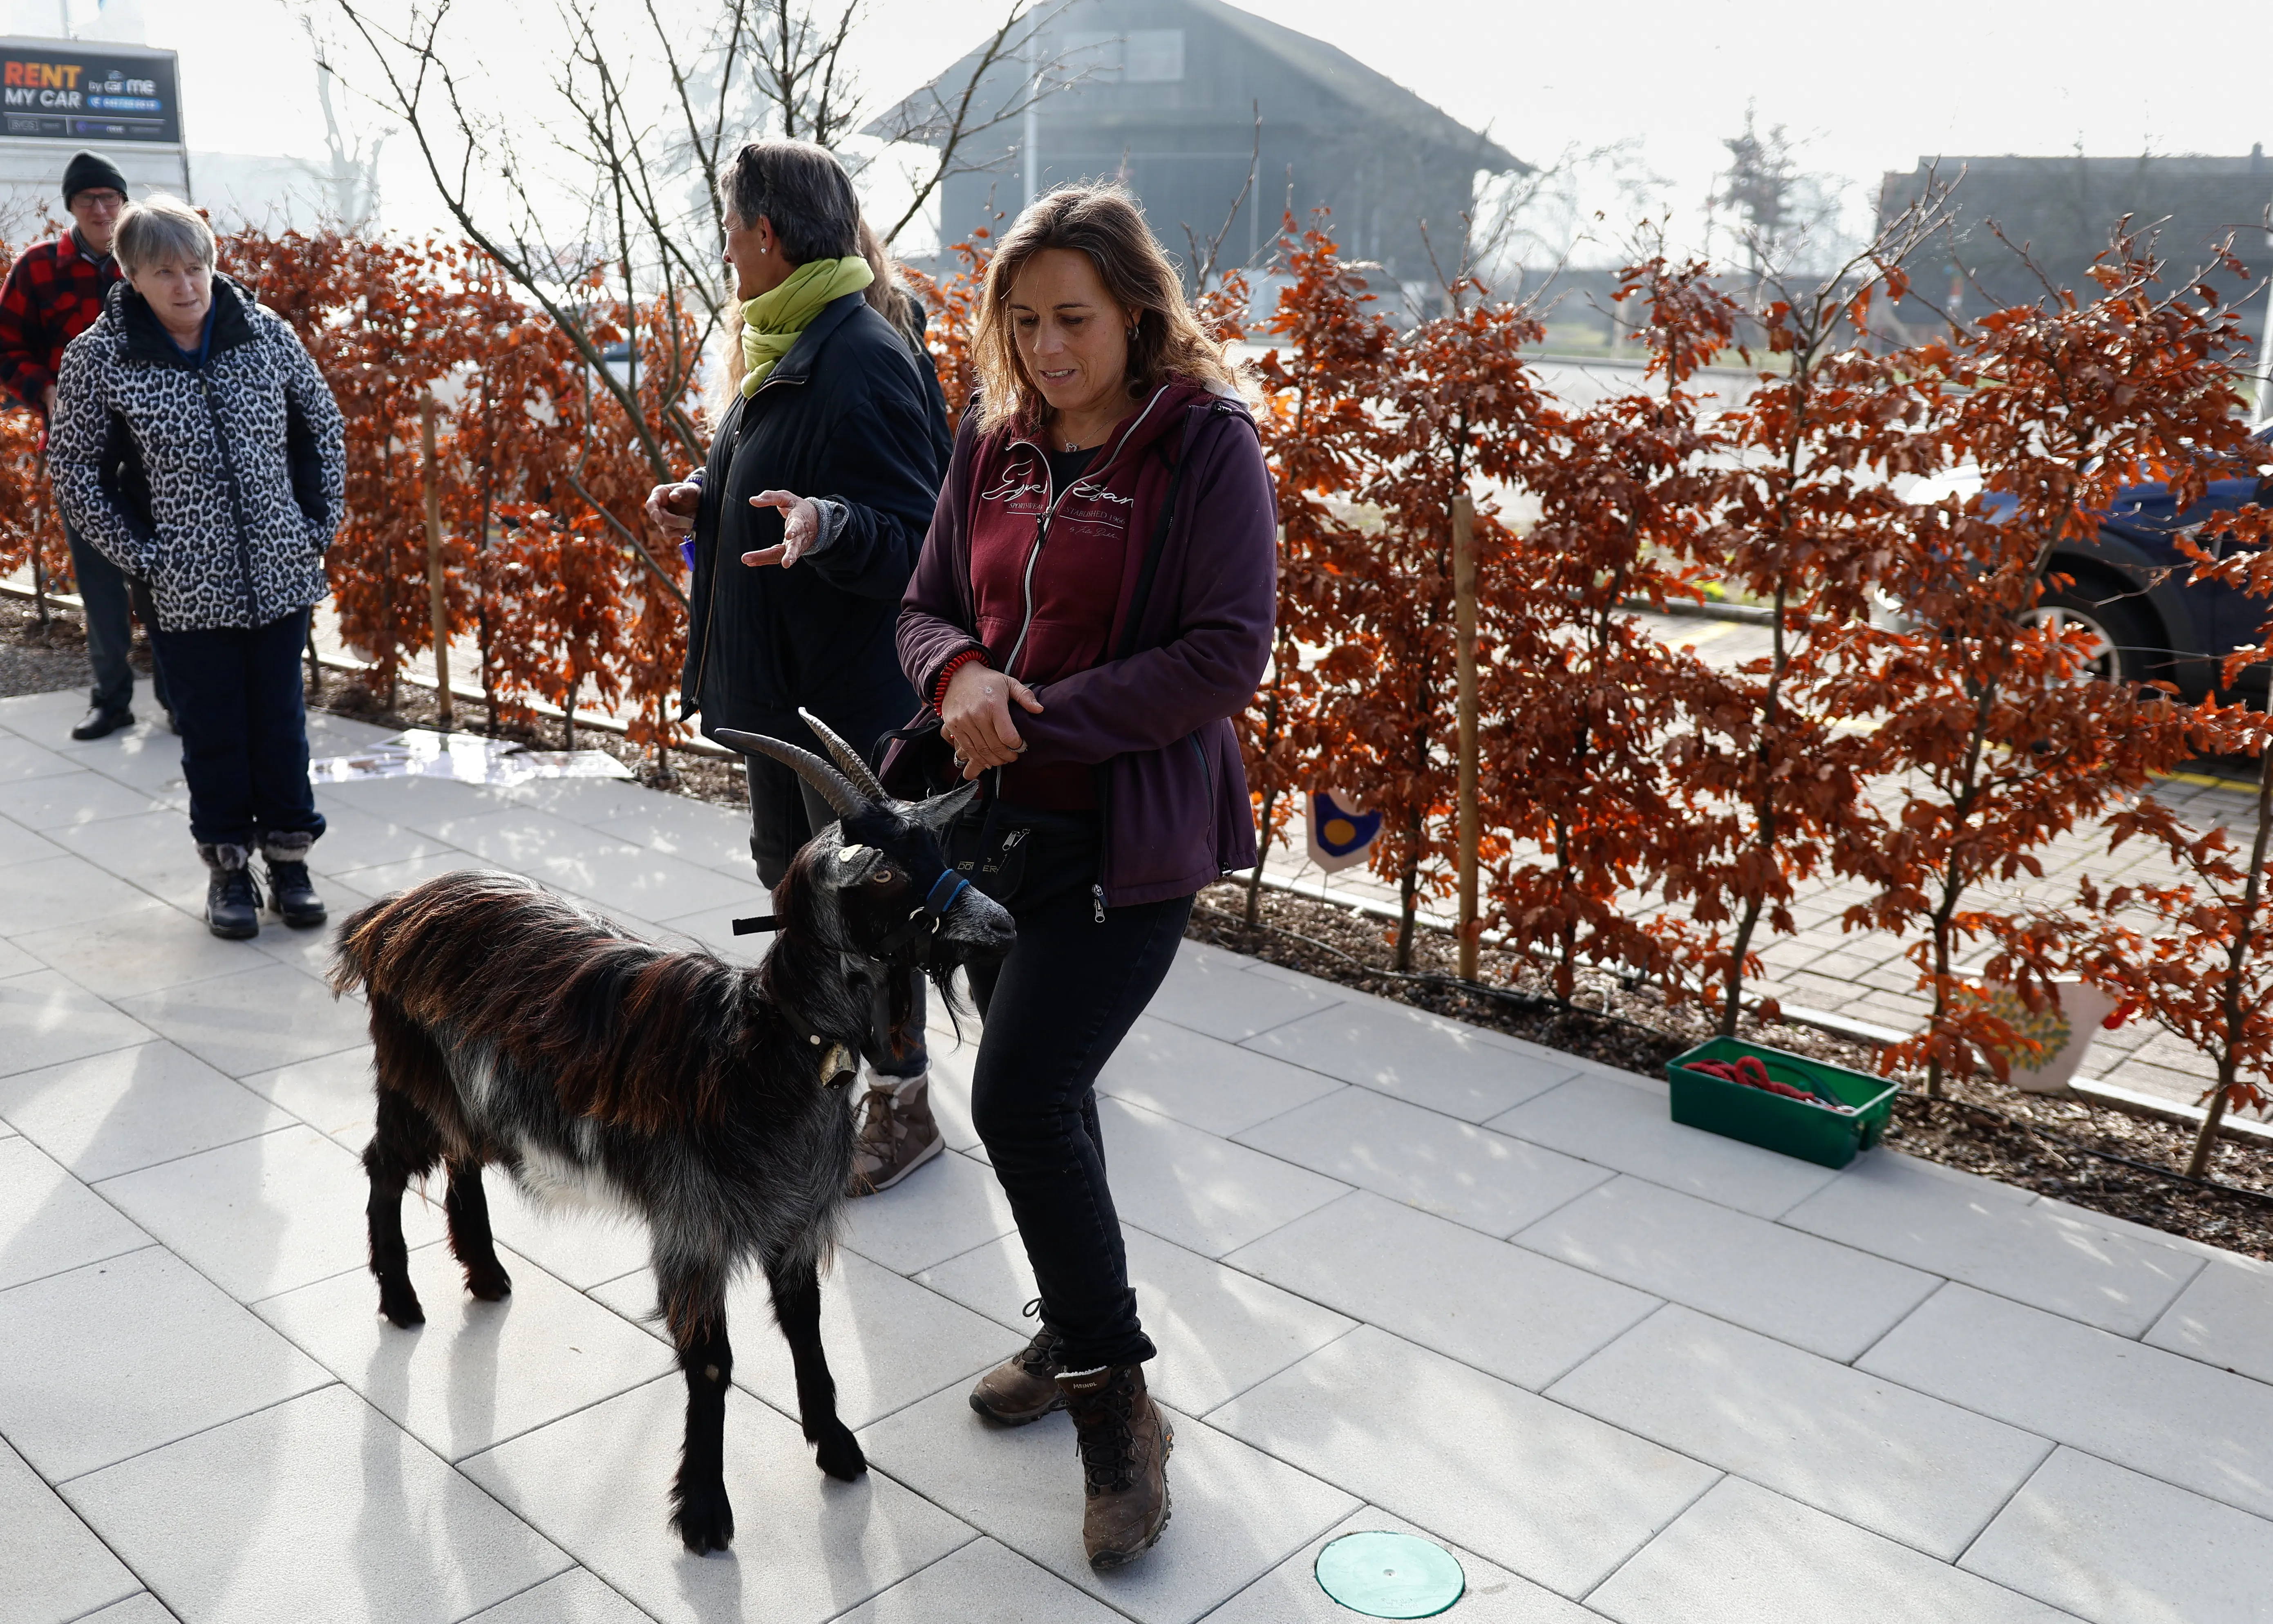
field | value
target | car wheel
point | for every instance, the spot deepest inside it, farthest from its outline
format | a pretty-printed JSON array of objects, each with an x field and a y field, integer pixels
[{"x": 2123, "y": 645}]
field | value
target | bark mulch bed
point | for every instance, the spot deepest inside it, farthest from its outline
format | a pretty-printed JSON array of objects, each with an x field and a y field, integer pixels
[
  {"x": 2062, "y": 1146},
  {"x": 36, "y": 661},
  {"x": 2087, "y": 1154}
]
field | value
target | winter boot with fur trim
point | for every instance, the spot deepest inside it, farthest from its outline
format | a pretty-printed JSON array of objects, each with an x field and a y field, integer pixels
[
  {"x": 291, "y": 891},
  {"x": 232, "y": 894},
  {"x": 1124, "y": 1441},
  {"x": 898, "y": 1132}
]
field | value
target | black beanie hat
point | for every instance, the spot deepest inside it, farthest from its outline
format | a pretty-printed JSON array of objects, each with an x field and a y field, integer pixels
[{"x": 87, "y": 171}]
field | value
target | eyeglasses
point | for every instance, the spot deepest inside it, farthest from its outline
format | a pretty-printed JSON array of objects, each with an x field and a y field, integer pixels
[{"x": 101, "y": 200}]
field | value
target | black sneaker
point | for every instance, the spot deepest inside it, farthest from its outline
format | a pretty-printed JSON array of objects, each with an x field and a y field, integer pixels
[
  {"x": 293, "y": 895},
  {"x": 100, "y": 723},
  {"x": 233, "y": 903}
]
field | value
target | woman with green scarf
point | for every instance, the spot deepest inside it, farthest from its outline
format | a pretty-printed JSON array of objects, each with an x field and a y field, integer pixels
[{"x": 807, "y": 521}]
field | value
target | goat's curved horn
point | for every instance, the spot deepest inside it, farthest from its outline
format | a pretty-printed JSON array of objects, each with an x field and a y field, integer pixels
[
  {"x": 847, "y": 758},
  {"x": 843, "y": 799}
]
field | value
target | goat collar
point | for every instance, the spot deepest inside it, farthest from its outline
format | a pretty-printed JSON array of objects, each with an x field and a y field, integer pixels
[{"x": 838, "y": 1065}]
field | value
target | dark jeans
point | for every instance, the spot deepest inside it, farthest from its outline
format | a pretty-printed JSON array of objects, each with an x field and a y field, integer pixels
[
  {"x": 104, "y": 590},
  {"x": 244, "y": 730},
  {"x": 1056, "y": 1009},
  {"x": 785, "y": 811}
]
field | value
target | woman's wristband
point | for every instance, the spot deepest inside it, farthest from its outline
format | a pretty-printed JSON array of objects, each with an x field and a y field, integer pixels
[{"x": 946, "y": 675}]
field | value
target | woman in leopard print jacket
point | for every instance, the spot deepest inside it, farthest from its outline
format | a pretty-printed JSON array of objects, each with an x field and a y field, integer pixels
[{"x": 196, "y": 444}]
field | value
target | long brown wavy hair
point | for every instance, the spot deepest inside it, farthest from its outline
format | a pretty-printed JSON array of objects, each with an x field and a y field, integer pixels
[{"x": 1100, "y": 219}]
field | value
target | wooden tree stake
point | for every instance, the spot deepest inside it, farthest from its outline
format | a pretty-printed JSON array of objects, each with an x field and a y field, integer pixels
[
  {"x": 437, "y": 601},
  {"x": 1464, "y": 622}
]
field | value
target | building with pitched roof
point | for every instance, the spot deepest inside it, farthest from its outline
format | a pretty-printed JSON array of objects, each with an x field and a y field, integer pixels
[{"x": 1166, "y": 95}]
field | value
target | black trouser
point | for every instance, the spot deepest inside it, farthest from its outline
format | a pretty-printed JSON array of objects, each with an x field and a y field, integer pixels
[
  {"x": 1056, "y": 1009},
  {"x": 785, "y": 811},
  {"x": 105, "y": 595},
  {"x": 244, "y": 730}
]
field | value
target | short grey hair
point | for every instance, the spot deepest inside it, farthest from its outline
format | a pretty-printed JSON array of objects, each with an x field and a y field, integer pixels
[
  {"x": 159, "y": 229},
  {"x": 801, "y": 190}
]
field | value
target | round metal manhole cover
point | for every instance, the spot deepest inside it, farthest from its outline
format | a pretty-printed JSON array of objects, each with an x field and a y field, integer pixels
[{"x": 1389, "y": 1575}]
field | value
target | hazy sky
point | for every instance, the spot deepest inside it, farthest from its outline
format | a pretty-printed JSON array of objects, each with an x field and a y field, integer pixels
[{"x": 1864, "y": 88}]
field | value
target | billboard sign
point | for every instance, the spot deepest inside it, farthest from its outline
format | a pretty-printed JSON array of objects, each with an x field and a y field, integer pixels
[{"x": 85, "y": 90}]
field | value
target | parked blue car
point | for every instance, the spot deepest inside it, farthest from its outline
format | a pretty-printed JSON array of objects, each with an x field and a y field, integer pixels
[{"x": 2130, "y": 587}]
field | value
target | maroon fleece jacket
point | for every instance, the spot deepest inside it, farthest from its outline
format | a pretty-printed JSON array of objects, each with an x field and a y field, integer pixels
[{"x": 1157, "y": 716}]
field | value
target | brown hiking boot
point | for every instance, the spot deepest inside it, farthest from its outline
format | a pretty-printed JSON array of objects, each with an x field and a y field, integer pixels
[
  {"x": 896, "y": 1132},
  {"x": 1124, "y": 1441},
  {"x": 1025, "y": 1387}
]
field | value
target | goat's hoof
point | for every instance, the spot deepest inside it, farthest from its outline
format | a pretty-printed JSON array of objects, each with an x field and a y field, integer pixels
[
  {"x": 839, "y": 1455},
  {"x": 489, "y": 1282},
  {"x": 704, "y": 1520},
  {"x": 400, "y": 1305}
]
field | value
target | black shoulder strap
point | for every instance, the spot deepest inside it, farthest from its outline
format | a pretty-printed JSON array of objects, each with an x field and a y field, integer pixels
[{"x": 1151, "y": 565}]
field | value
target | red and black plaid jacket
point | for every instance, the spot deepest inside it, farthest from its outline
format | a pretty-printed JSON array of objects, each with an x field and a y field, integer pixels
[{"x": 53, "y": 294}]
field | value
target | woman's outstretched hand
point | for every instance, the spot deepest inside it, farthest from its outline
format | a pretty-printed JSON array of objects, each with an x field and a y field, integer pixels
[
  {"x": 975, "y": 717},
  {"x": 801, "y": 528}
]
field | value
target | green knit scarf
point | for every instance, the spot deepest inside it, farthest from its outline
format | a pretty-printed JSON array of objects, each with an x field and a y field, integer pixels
[{"x": 771, "y": 322}]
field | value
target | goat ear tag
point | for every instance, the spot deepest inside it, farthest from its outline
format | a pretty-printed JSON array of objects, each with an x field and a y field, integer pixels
[
  {"x": 851, "y": 854},
  {"x": 837, "y": 1063}
]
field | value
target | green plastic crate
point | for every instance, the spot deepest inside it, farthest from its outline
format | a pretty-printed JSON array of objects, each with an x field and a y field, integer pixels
[{"x": 1772, "y": 1122}]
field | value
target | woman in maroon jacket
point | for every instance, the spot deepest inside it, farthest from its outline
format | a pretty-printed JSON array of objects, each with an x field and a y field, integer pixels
[{"x": 1092, "y": 605}]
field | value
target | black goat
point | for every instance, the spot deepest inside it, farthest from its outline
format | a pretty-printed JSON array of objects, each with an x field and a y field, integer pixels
[{"x": 514, "y": 1028}]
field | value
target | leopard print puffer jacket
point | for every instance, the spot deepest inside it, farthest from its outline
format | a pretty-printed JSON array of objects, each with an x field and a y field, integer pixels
[{"x": 220, "y": 484}]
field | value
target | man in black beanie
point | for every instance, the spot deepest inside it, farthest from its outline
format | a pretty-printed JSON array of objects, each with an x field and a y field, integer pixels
[{"x": 52, "y": 295}]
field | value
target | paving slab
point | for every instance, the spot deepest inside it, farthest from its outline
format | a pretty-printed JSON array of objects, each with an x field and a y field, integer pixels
[
  {"x": 1545, "y": 1491},
  {"x": 46, "y": 1018},
  {"x": 1204, "y": 1082},
  {"x": 20, "y": 758},
  {"x": 1414, "y": 1056},
  {"x": 319, "y": 1508},
  {"x": 710, "y": 836},
  {"x": 1437, "y": 1164},
  {"x": 577, "y": 1597},
  {"x": 1218, "y": 1331},
  {"x": 130, "y": 1108},
  {"x": 2015, "y": 1248},
  {"x": 1290, "y": 1593},
  {"x": 18, "y": 844},
  {"x": 146, "y": 951},
  {"x": 142, "y": 1609},
  {"x": 1742, "y": 1555},
  {"x": 983, "y": 1580},
  {"x": 1625, "y": 1126},
  {"x": 49, "y": 1222},
  {"x": 122, "y": 1355},
  {"x": 1203, "y": 1192},
  {"x": 890, "y": 1342},
  {"x": 942, "y": 1210},
  {"x": 578, "y": 858},
  {"x": 2113, "y": 1546},
  {"x": 1211, "y": 991},
  {"x": 2224, "y": 1317},
  {"x": 255, "y": 1020},
  {"x": 1912, "y": 1468},
  {"x": 2160, "y": 1413},
  {"x": 52, "y": 1567},
  {"x": 330, "y": 1094},
  {"x": 476, "y": 1373},
  {"x": 807, "y": 1547},
  {"x": 1512, "y": 1313},
  {"x": 63, "y": 800},
  {"x": 1237, "y": 1513},
  {"x": 265, "y": 1215},
  {"x": 1812, "y": 1293},
  {"x": 15, "y": 961},
  {"x": 152, "y": 849}
]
